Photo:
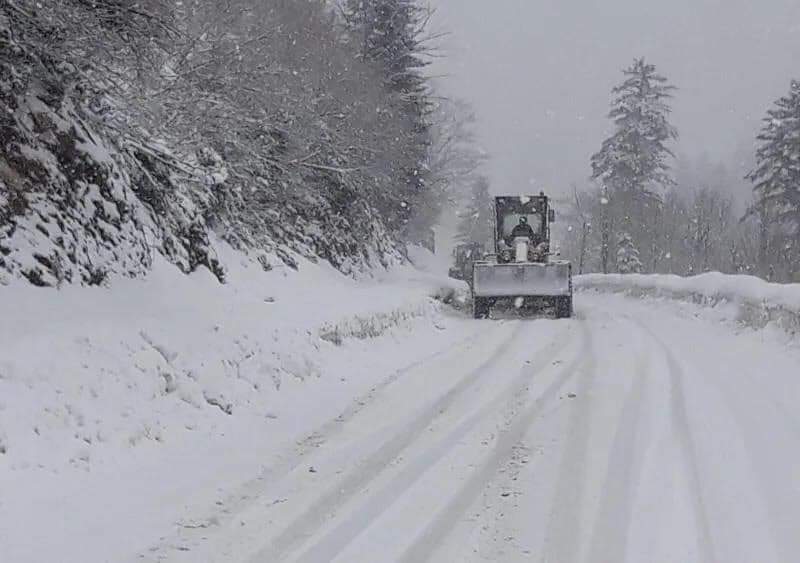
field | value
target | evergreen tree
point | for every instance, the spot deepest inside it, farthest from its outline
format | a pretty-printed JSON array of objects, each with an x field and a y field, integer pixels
[
  {"x": 476, "y": 220},
  {"x": 634, "y": 158},
  {"x": 632, "y": 164},
  {"x": 777, "y": 175},
  {"x": 390, "y": 33},
  {"x": 628, "y": 261}
]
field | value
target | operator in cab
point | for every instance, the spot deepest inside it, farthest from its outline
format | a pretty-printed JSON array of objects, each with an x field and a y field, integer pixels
[{"x": 523, "y": 229}]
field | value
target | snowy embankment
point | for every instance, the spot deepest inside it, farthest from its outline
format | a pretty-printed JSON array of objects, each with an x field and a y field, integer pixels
[
  {"x": 122, "y": 409},
  {"x": 751, "y": 301}
]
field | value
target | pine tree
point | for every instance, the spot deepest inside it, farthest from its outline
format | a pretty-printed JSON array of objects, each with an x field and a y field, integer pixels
[
  {"x": 632, "y": 164},
  {"x": 628, "y": 261},
  {"x": 777, "y": 173},
  {"x": 634, "y": 159},
  {"x": 476, "y": 219},
  {"x": 390, "y": 33}
]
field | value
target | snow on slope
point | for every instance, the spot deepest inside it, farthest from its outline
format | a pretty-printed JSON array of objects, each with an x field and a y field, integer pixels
[
  {"x": 749, "y": 300},
  {"x": 120, "y": 409}
]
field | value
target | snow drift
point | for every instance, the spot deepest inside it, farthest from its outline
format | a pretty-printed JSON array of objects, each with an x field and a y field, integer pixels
[
  {"x": 174, "y": 384},
  {"x": 757, "y": 303},
  {"x": 88, "y": 367}
]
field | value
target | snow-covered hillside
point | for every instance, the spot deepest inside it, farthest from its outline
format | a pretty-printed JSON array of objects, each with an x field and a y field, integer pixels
[
  {"x": 128, "y": 403},
  {"x": 130, "y": 135}
]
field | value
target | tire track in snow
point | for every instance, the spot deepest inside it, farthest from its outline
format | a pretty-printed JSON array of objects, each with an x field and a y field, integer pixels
[
  {"x": 251, "y": 491},
  {"x": 770, "y": 474},
  {"x": 335, "y": 426},
  {"x": 314, "y": 517},
  {"x": 767, "y": 471},
  {"x": 521, "y": 419},
  {"x": 562, "y": 539},
  {"x": 609, "y": 539},
  {"x": 680, "y": 421}
]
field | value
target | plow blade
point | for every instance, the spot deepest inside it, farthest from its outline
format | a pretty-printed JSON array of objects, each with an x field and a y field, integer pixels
[{"x": 523, "y": 280}]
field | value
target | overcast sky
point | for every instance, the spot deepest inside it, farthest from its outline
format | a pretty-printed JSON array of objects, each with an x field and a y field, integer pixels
[{"x": 539, "y": 74}]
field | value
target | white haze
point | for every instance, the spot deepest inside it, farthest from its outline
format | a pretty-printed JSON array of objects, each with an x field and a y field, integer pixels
[{"x": 539, "y": 73}]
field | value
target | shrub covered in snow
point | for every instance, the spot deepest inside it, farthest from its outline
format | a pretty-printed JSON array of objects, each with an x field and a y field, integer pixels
[{"x": 628, "y": 261}]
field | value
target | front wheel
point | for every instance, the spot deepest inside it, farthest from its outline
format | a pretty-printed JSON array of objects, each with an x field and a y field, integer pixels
[
  {"x": 564, "y": 307},
  {"x": 481, "y": 307}
]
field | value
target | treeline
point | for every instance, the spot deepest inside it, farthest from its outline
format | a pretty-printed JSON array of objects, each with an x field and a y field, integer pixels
[
  {"x": 640, "y": 216},
  {"x": 287, "y": 128}
]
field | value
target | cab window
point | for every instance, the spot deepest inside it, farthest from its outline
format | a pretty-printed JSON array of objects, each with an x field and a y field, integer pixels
[{"x": 511, "y": 221}]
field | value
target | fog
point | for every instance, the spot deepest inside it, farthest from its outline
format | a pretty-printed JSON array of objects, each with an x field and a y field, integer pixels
[{"x": 539, "y": 73}]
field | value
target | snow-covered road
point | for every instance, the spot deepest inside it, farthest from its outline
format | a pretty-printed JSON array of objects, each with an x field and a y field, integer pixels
[{"x": 639, "y": 431}]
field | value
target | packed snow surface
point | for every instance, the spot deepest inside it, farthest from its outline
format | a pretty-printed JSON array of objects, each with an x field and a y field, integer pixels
[{"x": 306, "y": 417}]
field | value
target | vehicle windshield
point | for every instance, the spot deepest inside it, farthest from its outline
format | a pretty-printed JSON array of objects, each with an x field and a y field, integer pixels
[{"x": 512, "y": 220}]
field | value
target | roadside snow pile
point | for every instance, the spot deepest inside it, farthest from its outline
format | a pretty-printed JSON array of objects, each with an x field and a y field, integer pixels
[
  {"x": 81, "y": 368},
  {"x": 372, "y": 326},
  {"x": 432, "y": 270},
  {"x": 88, "y": 375},
  {"x": 161, "y": 383},
  {"x": 757, "y": 303}
]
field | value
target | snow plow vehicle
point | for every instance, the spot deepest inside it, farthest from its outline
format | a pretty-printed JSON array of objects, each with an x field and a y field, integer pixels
[
  {"x": 464, "y": 256},
  {"x": 521, "y": 271}
]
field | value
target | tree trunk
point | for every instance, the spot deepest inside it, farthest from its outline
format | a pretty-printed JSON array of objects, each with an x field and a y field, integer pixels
[
  {"x": 583, "y": 247},
  {"x": 605, "y": 235}
]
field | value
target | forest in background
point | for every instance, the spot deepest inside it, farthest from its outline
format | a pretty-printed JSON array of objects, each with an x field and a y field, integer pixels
[{"x": 646, "y": 210}]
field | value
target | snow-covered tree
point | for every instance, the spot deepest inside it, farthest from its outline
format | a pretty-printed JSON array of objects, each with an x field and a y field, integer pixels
[
  {"x": 454, "y": 156},
  {"x": 634, "y": 160},
  {"x": 390, "y": 34},
  {"x": 709, "y": 219},
  {"x": 777, "y": 178},
  {"x": 476, "y": 218},
  {"x": 633, "y": 163},
  {"x": 628, "y": 261}
]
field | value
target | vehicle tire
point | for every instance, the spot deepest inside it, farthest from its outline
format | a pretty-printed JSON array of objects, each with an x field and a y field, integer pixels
[
  {"x": 564, "y": 307},
  {"x": 481, "y": 307}
]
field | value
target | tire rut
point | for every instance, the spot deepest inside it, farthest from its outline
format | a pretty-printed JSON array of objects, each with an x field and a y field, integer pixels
[
  {"x": 609, "y": 538},
  {"x": 680, "y": 421},
  {"x": 744, "y": 409},
  {"x": 314, "y": 518},
  {"x": 562, "y": 543},
  {"x": 248, "y": 493},
  {"x": 523, "y": 413}
]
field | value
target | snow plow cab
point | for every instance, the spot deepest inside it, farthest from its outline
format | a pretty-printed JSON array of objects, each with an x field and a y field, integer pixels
[{"x": 521, "y": 271}]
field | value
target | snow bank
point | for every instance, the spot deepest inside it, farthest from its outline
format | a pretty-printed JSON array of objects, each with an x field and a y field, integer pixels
[
  {"x": 757, "y": 303},
  {"x": 83, "y": 367},
  {"x": 136, "y": 401}
]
